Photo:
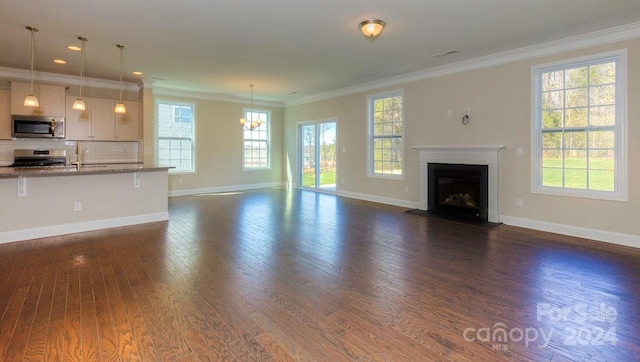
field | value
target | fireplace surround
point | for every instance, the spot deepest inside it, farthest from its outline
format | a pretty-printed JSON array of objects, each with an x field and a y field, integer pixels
[{"x": 462, "y": 155}]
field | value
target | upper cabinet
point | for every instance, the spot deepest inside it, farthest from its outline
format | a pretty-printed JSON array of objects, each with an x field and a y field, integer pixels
[
  {"x": 99, "y": 123},
  {"x": 128, "y": 124},
  {"x": 50, "y": 97},
  {"x": 5, "y": 114}
]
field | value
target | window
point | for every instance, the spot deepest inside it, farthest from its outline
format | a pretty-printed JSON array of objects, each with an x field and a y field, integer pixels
[
  {"x": 256, "y": 148},
  {"x": 579, "y": 128},
  {"x": 386, "y": 129},
  {"x": 176, "y": 129}
]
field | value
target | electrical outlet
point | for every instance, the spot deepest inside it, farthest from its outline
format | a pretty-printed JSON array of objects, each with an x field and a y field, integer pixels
[
  {"x": 518, "y": 202},
  {"x": 77, "y": 206},
  {"x": 406, "y": 189},
  {"x": 449, "y": 113},
  {"x": 519, "y": 151},
  {"x": 136, "y": 180},
  {"x": 180, "y": 181},
  {"x": 22, "y": 186},
  {"x": 343, "y": 181}
]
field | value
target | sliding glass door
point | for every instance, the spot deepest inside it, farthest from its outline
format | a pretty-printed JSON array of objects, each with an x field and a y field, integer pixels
[{"x": 317, "y": 155}]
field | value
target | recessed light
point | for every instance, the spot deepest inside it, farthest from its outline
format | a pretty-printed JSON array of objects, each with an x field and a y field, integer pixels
[
  {"x": 136, "y": 73},
  {"x": 74, "y": 47},
  {"x": 59, "y": 61}
]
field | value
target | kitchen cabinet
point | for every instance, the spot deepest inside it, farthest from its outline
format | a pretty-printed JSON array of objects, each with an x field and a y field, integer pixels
[
  {"x": 99, "y": 123},
  {"x": 50, "y": 97},
  {"x": 128, "y": 124},
  {"x": 5, "y": 114},
  {"x": 96, "y": 122}
]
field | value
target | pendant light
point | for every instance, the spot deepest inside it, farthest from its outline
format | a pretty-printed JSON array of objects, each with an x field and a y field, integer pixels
[
  {"x": 31, "y": 100},
  {"x": 120, "y": 108},
  {"x": 252, "y": 124},
  {"x": 79, "y": 103}
]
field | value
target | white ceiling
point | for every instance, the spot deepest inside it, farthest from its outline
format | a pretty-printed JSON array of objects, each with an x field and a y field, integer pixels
[{"x": 289, "y": 49}]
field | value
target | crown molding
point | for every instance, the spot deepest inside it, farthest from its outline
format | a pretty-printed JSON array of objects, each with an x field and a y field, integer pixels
[
  {"x": 14, "y": 74},
  {"x": 162, "y": 91},
  {"x": 621, "y": 33}
]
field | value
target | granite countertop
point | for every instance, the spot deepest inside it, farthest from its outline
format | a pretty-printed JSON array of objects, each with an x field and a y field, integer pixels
[{"x": 85, "y": 169}]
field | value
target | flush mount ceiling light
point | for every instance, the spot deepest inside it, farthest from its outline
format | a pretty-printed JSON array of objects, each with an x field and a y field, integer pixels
[
  {"x": 120, "y": 108},
  {"x": 79, "y": 103},
  {"x": 371, "y": 28},
  {"x": 31, "y": 100},
  {"x": 252, "y": 124}
]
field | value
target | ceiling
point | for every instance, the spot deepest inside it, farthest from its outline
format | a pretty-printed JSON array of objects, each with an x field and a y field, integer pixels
[{"x": 289, "y": 49}]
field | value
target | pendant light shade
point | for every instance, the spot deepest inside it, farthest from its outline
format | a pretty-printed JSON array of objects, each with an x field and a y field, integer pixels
[
  {"x": 120, "y": 108},
  {"x": 79, "y": 103},
  {"x": 252, "y": 124},
  {"x": 31, "y": 100}
]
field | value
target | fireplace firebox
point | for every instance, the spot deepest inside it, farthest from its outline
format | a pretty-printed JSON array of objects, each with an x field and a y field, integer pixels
[{"x": 458, "y": 190}]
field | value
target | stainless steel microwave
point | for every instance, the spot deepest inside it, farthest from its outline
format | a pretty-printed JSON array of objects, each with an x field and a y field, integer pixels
[{"x": 37, "y": 127}]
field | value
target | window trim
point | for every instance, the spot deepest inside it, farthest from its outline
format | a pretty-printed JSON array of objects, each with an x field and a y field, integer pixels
[
  {"x": 370, "y": 154},
  {"x": 173, "y": 171},
  {"x": 245, "y": 111},
  {"x": 621, "y": 181}
]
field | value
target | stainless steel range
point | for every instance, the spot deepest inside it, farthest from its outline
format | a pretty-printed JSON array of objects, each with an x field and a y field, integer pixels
[{"x": 39, "y": 158}]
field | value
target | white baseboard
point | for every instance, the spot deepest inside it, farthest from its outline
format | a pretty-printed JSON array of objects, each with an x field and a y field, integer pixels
[
  {"x": 577, "y": 231},
  {"x": 378, "y": 199},
  {"x": 55, "y": 230},
  {"x": 212, "y": 190}
]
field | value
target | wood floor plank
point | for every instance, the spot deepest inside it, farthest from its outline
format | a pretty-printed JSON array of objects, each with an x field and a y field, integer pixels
[
  {"x": 107, "y": 339},
  {"x": 145, "y": 345},
  {"x": 291, "y": 275},
  {"x": 170, "y": 305},
  {"x": 72, "y": 325},
  {"x": 127, "y": 345},
  {"x": 151, "y": 309},
  {"x": 24, "y": 323},
  {"x": 54, "y": 344},
  {"x": 88, "y": 319},
  {"x": 34, "y": 349}
]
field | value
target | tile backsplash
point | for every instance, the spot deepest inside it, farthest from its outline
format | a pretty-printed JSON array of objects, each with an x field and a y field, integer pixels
[{"x": 90, "y": 151}]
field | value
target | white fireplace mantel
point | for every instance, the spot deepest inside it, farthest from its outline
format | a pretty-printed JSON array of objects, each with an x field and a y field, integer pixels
[{"x": 470, "y": 155}]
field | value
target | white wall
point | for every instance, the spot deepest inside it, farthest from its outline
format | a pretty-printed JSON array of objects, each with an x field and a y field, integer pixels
[
  {"x": 218, "y": 146},
  {"x": 499, "y": 99}
]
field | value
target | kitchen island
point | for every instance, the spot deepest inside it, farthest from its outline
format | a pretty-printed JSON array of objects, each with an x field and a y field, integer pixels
[{"x": 41, "y": 202}]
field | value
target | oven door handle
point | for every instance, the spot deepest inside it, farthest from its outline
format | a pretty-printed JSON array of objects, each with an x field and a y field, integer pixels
[{"x": 52, "y": 127}]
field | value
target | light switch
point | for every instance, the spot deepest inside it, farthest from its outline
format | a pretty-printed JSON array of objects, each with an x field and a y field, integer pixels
[{"x": 519, "y": 151}]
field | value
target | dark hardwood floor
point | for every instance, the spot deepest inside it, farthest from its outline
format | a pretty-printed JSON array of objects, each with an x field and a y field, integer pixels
[{"x": 293, "y": 275}]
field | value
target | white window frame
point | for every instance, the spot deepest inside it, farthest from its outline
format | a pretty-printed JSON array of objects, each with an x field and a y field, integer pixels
[
  {"x": 620, "y": 192},
  {"x": 157, "y": 103},
  {"x": 370, "y": 135},
  {"x": 265, "y": 123}
]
